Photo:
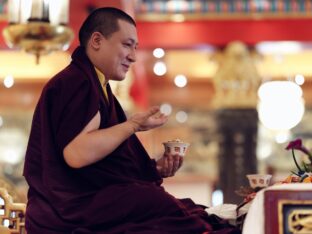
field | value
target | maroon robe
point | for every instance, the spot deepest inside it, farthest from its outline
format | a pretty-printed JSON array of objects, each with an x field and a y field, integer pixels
[{"x": 121, "y": 193}]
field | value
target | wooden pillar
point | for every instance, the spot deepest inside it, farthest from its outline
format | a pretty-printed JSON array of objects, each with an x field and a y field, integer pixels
[{"x": 237, "y": 156}]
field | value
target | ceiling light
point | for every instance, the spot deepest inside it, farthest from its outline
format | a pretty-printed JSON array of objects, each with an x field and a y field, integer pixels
[
  {"x": 158, "y": 53},
  {"x": 39, "y": 26},
  {"x": 181, "y": 116},
  {"x": 282, "y": 47},
  {"x": 166, "y": 109},
  {"x": 8, "y": 81},
  {"x": 299, "y": 79},
  {"x": 160, "y": 68},
  {"x": 180, "y": 81}
]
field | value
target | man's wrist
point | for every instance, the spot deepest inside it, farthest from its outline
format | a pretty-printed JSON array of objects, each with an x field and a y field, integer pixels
[{"x": 133, "y": 125}]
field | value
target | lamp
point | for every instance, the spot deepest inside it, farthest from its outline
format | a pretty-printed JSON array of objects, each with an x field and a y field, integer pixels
[
  {"x": 281, "y": 106},
  {"x": 38, "y": 26}
]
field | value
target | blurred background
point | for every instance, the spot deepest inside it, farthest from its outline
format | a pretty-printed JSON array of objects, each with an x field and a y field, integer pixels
[{"x": 234, "y": 76}]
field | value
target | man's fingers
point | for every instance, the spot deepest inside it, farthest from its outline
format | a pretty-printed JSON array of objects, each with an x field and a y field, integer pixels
[
  {"x": 152, "y": 111},
  {"x": 176, "y": 162},
  {"x": 180, "y": 161},
  {"x": 165, "y": 167},
  {"x": 155, "y": 113},
  {"x": 170, "y": 164}
]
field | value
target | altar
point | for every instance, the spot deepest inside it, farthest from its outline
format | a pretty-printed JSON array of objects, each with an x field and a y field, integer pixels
[{"x": 281, "y": 209}]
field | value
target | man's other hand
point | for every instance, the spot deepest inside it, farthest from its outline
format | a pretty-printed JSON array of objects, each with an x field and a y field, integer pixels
[{"x": 169, "y": 164}]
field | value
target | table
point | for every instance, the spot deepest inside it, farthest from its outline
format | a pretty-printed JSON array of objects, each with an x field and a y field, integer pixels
[{"x": 255, "y": 220}]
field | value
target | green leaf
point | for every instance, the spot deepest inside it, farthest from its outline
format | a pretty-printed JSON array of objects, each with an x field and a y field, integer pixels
[{"x": 300, "y": 171}]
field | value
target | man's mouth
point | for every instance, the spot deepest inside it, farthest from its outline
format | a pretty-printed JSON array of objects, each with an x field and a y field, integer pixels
[{"x": 126, "y": 66}]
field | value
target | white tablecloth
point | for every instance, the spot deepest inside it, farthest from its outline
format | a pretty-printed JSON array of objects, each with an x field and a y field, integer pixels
[{"x": 254, "y": 221}]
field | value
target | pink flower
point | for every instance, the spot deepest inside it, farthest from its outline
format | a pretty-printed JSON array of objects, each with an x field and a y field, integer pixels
[{"x": 297, "y": 144}]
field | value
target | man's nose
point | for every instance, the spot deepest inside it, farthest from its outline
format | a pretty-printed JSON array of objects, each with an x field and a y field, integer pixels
[{"x": 132, "y": 55}]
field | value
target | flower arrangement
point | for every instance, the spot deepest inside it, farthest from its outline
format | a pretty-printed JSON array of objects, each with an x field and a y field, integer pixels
[{"x": 304, "y": 173}]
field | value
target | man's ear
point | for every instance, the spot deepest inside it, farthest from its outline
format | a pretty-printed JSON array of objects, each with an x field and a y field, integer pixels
[{"x": 95, "y": 40}]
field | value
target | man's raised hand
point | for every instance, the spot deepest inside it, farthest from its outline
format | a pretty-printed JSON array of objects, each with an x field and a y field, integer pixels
[{"x": 150, "y": 119}]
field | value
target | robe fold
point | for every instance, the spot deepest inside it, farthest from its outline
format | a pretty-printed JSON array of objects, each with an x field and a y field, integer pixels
[{"x": 121, "y": 193}]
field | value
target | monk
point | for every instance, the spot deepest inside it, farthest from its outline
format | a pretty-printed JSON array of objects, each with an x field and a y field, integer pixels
[{"x": 86, "y": 169}]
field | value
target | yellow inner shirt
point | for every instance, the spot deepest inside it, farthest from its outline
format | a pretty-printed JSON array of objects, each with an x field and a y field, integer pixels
[{"x": 103, "y": 82}]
